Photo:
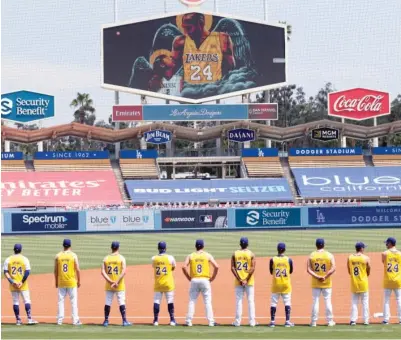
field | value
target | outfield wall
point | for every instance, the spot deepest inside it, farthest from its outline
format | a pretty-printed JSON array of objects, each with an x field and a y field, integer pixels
[{"x": 50, "y": 221}]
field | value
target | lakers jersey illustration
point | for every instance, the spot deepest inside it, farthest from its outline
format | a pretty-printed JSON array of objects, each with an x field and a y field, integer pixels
[
  {"x": 171, "y": 86},
  {"x": 203, "y": 64}
]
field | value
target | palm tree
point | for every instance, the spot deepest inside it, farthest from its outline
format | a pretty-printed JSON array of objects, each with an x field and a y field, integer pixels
[{"x": 84, "y": 110}]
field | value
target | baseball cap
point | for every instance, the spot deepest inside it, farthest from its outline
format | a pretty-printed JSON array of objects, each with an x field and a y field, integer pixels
[
  {"x": 281, "y": 246},
  {"x": 391, "y": 240},
  {"x": 115, "y": 245},
  {"x": 17, "y": 247},
  {"x": 360, "y": 245},
  {"x": 199, "y": 244},
  {"x": 161, "y": 245},
  {"x": 319, "y": 242},
  {"x": 244, "y": 241},
  {"x": 67, "y": 242}
]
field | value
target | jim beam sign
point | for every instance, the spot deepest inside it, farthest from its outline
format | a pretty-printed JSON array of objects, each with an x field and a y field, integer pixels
[{"x": 325, "y": 134}]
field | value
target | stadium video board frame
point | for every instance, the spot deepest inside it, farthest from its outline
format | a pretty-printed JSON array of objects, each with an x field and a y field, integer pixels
[{"x": 153, "y": 57}]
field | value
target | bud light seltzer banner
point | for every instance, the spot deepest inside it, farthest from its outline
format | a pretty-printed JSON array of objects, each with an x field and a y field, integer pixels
[{"x": 358, "y": 104}]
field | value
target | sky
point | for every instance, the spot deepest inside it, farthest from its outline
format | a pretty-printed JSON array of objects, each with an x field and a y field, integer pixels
[{"x": 53, "y": 47}]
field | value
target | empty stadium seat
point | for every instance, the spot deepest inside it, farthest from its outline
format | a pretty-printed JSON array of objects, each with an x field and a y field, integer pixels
[
  {"x": 387, "y": 160},
  {"x": 13, "y": 165},
  {"x": 263, "y": 166},
  {"x": 326, "y": 161},
  {"x": 139, "y": 168},
  {"x": 72, "y": 165}
]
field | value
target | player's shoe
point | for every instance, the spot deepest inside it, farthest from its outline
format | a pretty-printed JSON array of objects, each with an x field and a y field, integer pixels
[
  {"x": 384, "y": 322},
  {"x": 313, "y": 324},
  {"x": 331, "y": 323},
  {"x": 78, "y": 323},
  {"x": 352, "y": 323},
  {"x": 173, "y": 323},
  {"x": 105, "y": 323},
  {"x": 155, "y": 323},
  {"x": 253, "y": 324},
  {"x": 32, "y": 322},
  {"x": 188, "y": 324},
  {"x": 59, "y": 323},
  {"x": 126, "y": 323},
  {"x": 272, "y": 324},
  {"x": 288, "y": 324},
  {"x": 366, "y": 323},
  {"x": 19, "y": 322},
  {"x": 235, "y": 324}
]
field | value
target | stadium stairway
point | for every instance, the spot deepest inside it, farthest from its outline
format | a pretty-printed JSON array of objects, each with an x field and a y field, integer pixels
[
  {"x": 29, "y": 165},
  {"x": 121, "y": 185},
  {"x": 288, "y": 175},
  {"x": 368, "y": 160}
]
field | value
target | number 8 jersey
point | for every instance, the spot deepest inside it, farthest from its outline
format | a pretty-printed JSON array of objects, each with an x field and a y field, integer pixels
[
  {"x": 243, "y": 263},
  {"x": 357, "y": 264},
  {"x": 114, "y": 266},
  {"x": 66, "y": 269},
  {"x": 199, "y": 266},
  {"x": 163, "y": 272},
  {"x": 392, "y": 269}
]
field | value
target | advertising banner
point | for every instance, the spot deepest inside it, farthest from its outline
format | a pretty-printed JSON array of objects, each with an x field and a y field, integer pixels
[
  {"x": 12, "y": 156},
  {"x": 72, "y": 155},
  {"x": 157, "y": 136},
  {"x": 325, "y": 134},
  {"x": 45, "y": 222},
  {"x": 358, "y": 104},
  {"x": 365, "y": 215},
  {"x": 193, "y": 57},
  {"x": 138, "y": 154},
  {"x": 59, "y": 188},
  {"x": 260, "y": 152},
  {"x": 348, "y": 182},
  {"x": 390, "y": 150},
  {"x": 127, "y": 113},
  {"x": 119, "y": 220},
  {"x": 268, "y": 189},
  {"x": 241, "y": 135},
  {"x": 194, "y": 219},
  {"x": 324, "y": 151},
  {"x": 26, "y": 106},
  {"x": 253, "y": 218}
]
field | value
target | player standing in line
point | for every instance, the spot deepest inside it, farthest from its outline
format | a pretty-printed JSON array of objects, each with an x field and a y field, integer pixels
[
  {"x": 321, "y": 266},
  {"x": 199, "y": 275},
  {"x": 358, "y": 265},
  {"x": 113, "y": 271},
  {"x": 163, "y": 267},
  {"x": 391, "y": 259},
  {"x": 243, "y": 264},
  {"x": 68, "y": 278},
  {"x": 281, "y": 268},
  {"x": 16, "y": 270}
]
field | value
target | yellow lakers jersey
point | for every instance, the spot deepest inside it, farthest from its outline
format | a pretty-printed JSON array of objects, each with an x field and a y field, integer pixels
[
  {"x": 16, "y": 265},
  {"x": 66, "y": 269},
  {"x": 243, "y": 263},
  {"x": 199, "y": 266},
  {"x": 281, "y": 278},
  {"x": 357, "y": 265},
  {"x": 203, "y": 64},
  {"x": 321, "y": 265},
  {"x": 163, "y": 272},
  {"x": 392, "y": 269},
  {"x": 114, "y": 266}
]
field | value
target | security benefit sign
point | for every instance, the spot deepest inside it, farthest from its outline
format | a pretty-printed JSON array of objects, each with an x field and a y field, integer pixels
[
  {"x": 324, "y": 134},
  {"x": 193, "y": 57},
  {"x": 194, "y": 219},
  {"x": 45, "y": 222},
  {"x": 241, "y": 135},
  {"x": 25, "y": 106},
  {"x": 362, "y": 215},
  {"x": 119, "y": 220},
  {"x": 157, "y": 136},
  {"x": 267, "y": 218}
]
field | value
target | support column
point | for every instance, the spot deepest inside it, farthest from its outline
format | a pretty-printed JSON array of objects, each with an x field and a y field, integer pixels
[
  {"x": 376, "y": 139},
  {"x": 268, "y": 142},
  {"x": 40, "y": 146},
  {"x": 343, "y": 139},
  {"x": 7, "y": 146},
  {"x": 245, "y": 99},
  {"x": 224, "y": 170},
  {"x": 219, "y": 149}
]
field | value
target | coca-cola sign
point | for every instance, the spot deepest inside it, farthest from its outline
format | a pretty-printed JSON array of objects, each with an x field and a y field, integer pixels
[{"x": 358, "y": 104}]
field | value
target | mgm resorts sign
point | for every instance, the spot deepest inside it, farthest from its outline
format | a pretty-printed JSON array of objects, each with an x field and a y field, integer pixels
[{"x": 325, "y": 134}]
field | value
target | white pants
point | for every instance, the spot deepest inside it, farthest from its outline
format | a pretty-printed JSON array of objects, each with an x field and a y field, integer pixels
[
  {"x": 200, "y": 286},
  {"x": 158, "y": 296},
  {"x": 326, "y": 292},
  {"x": 110, "y": 296},
  {"x": 387, "y": 296},
  {"x": 364, "y": 297},
  {"x": 25, "y": 296},
  {"x": 276, "y": 297},
  {"x": 239, "y": 295},
  {"x": 73, "y": 293}
]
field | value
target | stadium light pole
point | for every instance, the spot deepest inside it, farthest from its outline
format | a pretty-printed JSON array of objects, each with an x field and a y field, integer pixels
[
  {"x": 117, "y": 145},
  {"x": 267, "y": 93},
  {"x": 218, "y": 140}
]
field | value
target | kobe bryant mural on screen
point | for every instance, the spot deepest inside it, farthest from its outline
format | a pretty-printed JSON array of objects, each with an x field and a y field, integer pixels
[{"x": 196, "y": 56}]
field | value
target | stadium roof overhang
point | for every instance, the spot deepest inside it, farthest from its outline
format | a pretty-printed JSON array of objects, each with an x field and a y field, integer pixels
[{"x": 195, "y": 135}]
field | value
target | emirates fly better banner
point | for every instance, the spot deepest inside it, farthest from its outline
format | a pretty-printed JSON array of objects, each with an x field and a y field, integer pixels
[{"x": 59, "y": 188}]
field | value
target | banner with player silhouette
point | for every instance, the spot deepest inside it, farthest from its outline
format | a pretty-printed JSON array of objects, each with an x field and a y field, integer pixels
[{"x": 193, "y": 57}]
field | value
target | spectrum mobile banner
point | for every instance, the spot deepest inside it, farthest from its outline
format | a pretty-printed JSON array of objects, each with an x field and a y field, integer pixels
[
  {"x": 194, "y": 219},
  {"x": 119, "y": 220},
  {"x": 265, "y": 218},
  {"x": 44, "y": 222}
]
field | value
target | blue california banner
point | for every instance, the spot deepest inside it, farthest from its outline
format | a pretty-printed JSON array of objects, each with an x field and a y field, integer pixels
[
  {"x": 17, "y": 156},
  {"x": 348, "y": 182},
  {"x": 260, "y": 152},
  {"x": 390, "y": 150},
  {"x": 269, "y": 189},
  {"x": 325, "y": 151},
  {"x": 267, "y": 218},
  {"x": 363, "y": 215},
  {"x": 138, "y": 154},
  {"x": 72, "y": 155}
]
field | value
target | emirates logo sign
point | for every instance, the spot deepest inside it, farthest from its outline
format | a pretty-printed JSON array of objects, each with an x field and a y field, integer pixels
[{"x": 358, "y": 104}]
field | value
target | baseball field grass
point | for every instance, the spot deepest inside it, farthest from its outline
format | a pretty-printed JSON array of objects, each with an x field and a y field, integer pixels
[{"x": 138, "y": 248}]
